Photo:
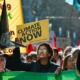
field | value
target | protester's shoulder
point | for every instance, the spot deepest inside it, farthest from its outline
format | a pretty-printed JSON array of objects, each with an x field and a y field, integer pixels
[{"x": 53, "y": 64}]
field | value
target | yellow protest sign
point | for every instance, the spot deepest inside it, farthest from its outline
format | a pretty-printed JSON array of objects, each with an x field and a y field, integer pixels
[
  {"x": 33, "y": 32},
  {"x": 14, "y": 13},
  {"x": 9, "y": 51}
]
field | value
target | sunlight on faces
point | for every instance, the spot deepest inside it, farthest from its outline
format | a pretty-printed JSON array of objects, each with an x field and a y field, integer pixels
[
  {"x": 2, "y": 63},
  {"x": 42, "y": 52}
]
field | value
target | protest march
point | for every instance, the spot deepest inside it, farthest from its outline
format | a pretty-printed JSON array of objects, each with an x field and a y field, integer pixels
[{"x": 32, "y": 49}]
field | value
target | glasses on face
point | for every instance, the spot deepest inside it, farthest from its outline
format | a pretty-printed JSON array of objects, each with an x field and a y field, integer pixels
[{"x": 42, "y": 50}]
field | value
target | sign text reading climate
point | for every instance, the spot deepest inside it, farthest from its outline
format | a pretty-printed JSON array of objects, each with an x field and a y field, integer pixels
[{"x": 30, "y": 32}]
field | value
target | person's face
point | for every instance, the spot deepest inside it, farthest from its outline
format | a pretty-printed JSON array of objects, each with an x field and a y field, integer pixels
[
  {"x": 70, "y": 64},
  {"x": 43, "y": 52},
  {"x": 2, "y": 63}
]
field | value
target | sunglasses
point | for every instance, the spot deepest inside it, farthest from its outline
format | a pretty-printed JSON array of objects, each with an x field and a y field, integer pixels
[{"x": 42, "y": 50}]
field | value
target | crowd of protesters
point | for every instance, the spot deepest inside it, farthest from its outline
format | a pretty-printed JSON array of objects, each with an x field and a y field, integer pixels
[{"x": 44, "y": 59}]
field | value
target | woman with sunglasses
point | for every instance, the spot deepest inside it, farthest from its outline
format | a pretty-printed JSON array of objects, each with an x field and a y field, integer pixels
[{"x": 43, "y": 64}]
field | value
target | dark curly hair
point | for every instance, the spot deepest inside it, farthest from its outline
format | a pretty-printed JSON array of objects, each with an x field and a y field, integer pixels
[{"x": 49, "y": 48}]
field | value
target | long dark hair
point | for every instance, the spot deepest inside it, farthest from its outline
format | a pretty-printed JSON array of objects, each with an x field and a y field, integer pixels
[{"x": 65, "y": 62}]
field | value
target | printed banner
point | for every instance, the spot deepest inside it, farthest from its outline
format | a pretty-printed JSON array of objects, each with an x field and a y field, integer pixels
[
  {"x": 65, "y": 75},
  {"x": 33, "y": 32},
  {"x": 14, "y": 13}
]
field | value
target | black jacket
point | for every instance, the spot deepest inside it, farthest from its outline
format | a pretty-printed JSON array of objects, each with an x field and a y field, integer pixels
[{"x": 14, "y": 63}]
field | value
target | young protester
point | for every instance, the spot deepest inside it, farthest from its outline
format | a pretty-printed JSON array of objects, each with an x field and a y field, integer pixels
[
  {"x": 44, "y": 53},
  {"x": 68, "y": 63},
  {"x": 56, "y": 58}
]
